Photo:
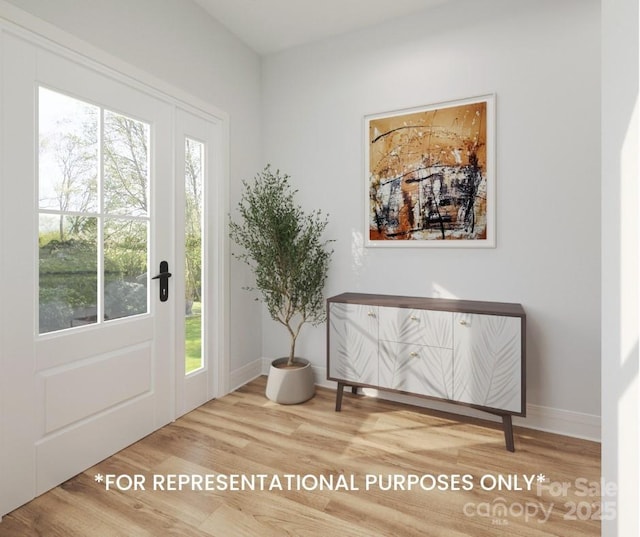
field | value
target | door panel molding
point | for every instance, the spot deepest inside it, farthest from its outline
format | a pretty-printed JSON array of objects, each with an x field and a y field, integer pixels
[
  {"x": 53, "y": 350},
  {"x": 92, "y": 445},
  {"x": 92, "y": 386}
]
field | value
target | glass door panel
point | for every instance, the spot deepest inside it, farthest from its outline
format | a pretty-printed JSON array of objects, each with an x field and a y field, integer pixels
[
  {"x": 69, "y": 153},
  {"x": 126, "y": 194},
  {"x": 126, "y": 165},
  {"x": 93, "y": 192},
  {"x": 193, "y": 210},
  {"x": 125, "y": 267},
  {"x": 68, "y": 170},
  {"x": 67, "y": 247}
]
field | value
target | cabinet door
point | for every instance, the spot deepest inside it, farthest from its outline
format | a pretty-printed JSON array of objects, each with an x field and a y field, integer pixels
[
  {"x": 416, "y": 369},
  {"x": 415, "y": 326},
  {"x": 353, "y": 343},
  {"x": 487, "y": 368}
]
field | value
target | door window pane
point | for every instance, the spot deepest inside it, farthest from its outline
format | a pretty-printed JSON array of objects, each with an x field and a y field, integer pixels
[
  {"x": 68, "y": 156},
  {"x": 68, "y": 271},
  {"x": 125, "y": 268},
  {"x": 194, "y": 160},
  {"x": 126, "y": 165}
]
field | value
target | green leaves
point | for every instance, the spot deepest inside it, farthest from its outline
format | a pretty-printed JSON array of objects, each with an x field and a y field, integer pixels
[{"x": 283, "y": 245}]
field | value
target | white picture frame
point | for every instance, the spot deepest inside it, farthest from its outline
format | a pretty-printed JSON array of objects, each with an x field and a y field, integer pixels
[{"x": 430, "y": 175}]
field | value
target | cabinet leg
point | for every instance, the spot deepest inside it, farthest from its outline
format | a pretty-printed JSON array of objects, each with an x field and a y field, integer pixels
[
  {"x": 354, "y": 390},
  {"x": 339, "y": 393},
  {"x": 508, "y": 432}
]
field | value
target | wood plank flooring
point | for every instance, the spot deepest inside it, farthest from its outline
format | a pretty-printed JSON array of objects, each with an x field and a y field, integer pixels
[{"x": 244, "y": 435}]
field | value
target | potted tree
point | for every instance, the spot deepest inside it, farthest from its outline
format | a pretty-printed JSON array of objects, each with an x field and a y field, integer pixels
[{"x": 284, "y": 247}]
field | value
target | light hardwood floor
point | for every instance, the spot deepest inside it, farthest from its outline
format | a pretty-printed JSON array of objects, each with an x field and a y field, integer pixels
[{"x": 244, "y": 434}]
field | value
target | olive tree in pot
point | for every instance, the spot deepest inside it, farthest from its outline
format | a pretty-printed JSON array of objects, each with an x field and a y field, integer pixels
[{"x": 284, "y": 247}]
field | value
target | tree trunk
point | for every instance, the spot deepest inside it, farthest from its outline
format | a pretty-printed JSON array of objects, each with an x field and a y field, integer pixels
[{"x": 292, "y": 350}]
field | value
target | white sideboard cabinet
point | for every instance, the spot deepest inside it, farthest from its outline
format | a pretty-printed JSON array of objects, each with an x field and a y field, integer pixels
[{"x": 460, "y": 351}]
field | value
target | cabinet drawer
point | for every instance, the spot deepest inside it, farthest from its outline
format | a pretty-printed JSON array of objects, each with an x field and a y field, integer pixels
[
  {"x": 416, "y": 326},
  {"x": 416, "y": 369}
]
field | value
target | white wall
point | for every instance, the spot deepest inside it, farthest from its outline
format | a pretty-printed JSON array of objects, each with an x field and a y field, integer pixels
[
  {"x": 178, "y": 42},
  {"x": 542, "y": 61},
  {"x": 620, "y": 174}
]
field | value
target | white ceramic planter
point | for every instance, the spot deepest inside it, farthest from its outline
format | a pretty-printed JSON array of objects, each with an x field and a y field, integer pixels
[{"x": 291, "y": 385}]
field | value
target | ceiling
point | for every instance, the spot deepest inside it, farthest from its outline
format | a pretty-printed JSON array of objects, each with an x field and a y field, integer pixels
[{"x": 269, "y": 26}]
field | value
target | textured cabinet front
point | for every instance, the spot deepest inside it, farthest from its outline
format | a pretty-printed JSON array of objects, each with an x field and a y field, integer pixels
[
  {"x": 416, "y": 351},
  {"x": 487, "y": 361},
  {"x": 415, "y": 326},
  {"x": 418, "y": 369},
  {"x": 353, "y": 343}
]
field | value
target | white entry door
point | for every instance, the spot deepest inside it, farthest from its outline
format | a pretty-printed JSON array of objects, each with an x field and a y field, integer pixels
[{"x": 92, "y": 288}]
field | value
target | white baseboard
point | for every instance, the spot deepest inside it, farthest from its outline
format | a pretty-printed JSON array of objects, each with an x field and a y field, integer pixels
[
  {"x": 248, "y": 372},
  {"x": 540, "y": 418},
  {"x": 566, "y": 422}
]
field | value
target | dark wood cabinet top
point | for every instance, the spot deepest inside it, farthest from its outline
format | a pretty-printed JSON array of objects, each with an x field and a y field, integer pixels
[{"x": 427, "y": 303}]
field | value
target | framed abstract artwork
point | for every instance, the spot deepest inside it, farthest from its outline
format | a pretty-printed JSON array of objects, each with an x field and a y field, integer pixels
[{"x": 430, "y": 175}]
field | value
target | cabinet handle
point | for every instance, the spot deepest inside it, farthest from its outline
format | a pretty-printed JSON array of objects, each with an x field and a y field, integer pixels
[
  {"x": 371, "y": 314},
  {"x": 463, "y": 322},
  {"x": 414, "y": 318},
  {"x": 413, "y": 354}
]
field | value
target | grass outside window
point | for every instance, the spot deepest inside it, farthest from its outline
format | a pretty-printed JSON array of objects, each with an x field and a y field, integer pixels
[{"x": 193, "y": 339}]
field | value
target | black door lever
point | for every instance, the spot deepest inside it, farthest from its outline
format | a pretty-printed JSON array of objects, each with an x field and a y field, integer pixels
[{"x": 163, "y": 276}]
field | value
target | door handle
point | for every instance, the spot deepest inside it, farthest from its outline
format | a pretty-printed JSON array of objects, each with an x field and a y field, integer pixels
[{"x": 163, "y": 276}]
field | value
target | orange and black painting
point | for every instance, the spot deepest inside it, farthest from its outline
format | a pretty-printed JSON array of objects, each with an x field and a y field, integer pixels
[{"x": 428, "y": 174}]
